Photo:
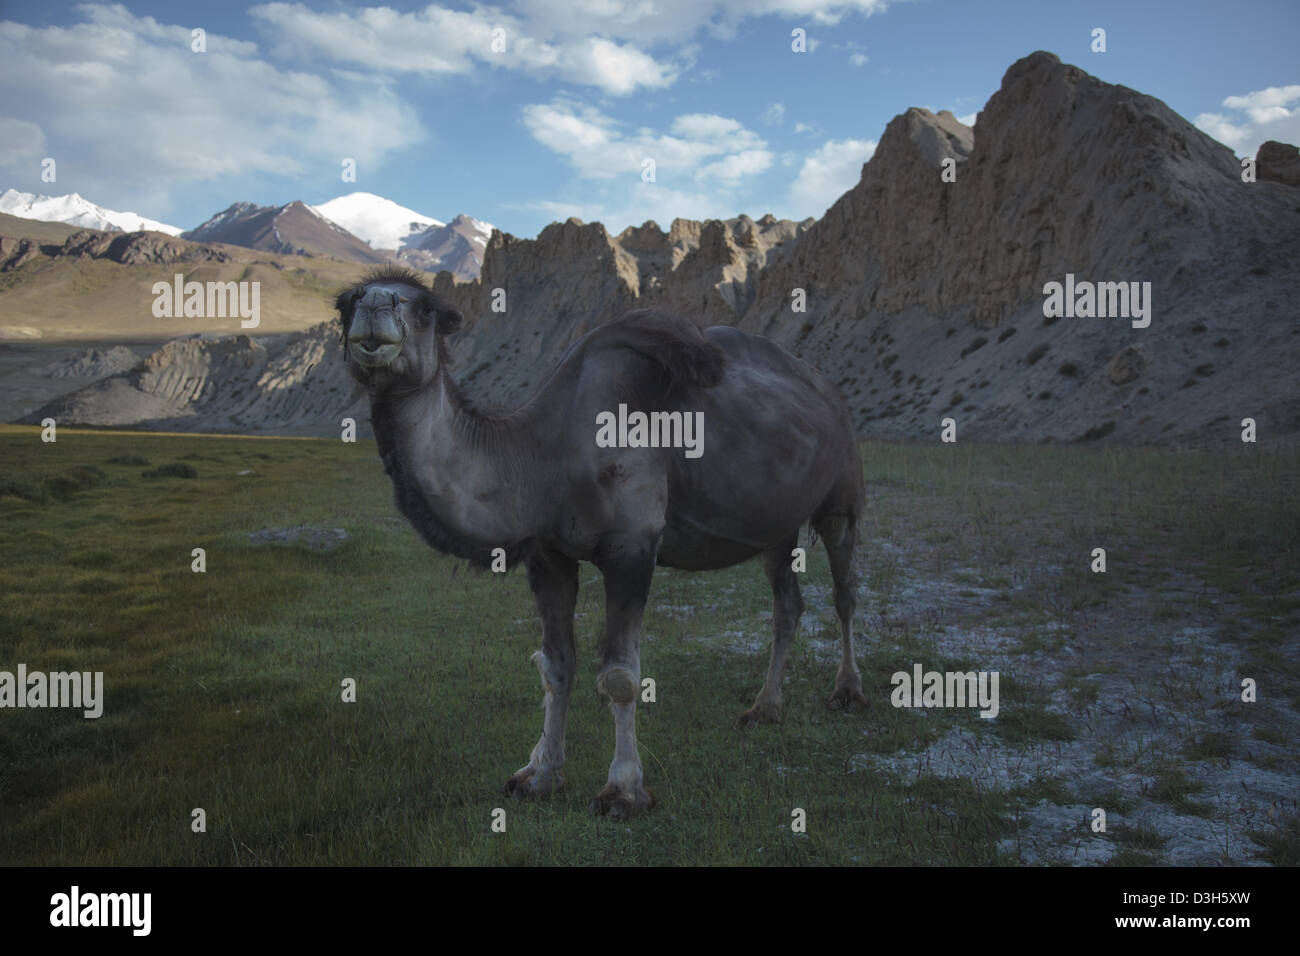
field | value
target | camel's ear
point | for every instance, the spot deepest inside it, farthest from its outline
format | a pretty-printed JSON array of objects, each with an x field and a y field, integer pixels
[
  {"x": 343, "y": 305},
  {"x": 449, "y": 321}
]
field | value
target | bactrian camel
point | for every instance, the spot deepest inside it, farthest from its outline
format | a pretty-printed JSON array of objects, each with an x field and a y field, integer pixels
[{"x": 777, "y": 452}]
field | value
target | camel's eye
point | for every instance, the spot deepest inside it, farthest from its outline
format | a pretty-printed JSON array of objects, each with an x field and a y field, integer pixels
[{"x": 421, "y": 315}]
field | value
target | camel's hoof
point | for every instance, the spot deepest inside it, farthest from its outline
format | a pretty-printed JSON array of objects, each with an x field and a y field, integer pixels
[
  {"x": 758, "y": 715},
  {"x": 847, "y": 698},
  {"x": 619, "y": 805},
  {"x": 525, "y": 784}
]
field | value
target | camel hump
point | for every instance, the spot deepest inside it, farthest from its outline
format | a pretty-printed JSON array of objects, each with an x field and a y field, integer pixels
[{"x": 670, "y": 341}]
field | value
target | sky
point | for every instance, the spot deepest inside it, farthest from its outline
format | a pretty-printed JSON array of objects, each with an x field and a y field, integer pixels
[{"x": 522, "y": 113}]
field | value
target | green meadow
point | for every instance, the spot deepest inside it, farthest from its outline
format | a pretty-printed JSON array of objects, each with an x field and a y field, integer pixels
[{"x": 223, "y": 689}]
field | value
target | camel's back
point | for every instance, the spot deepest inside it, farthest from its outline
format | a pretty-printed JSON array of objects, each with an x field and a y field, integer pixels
[{"x": 771, "y": 443}]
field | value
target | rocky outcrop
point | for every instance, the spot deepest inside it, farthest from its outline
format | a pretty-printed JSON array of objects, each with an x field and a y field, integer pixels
[
  {"x": 134, "y": 248},
  {"x": 282, "y": 384},
  {"x": 925, "y": 298},
  {"x": 92, "y": 363},
  {"x": 16, "y": 252},
  {"x": 1279, "y": 162},
  {"x": 574, "y": 276}
]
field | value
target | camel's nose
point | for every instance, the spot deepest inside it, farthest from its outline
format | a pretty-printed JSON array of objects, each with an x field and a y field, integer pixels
[{"x": 375, "y": 337}]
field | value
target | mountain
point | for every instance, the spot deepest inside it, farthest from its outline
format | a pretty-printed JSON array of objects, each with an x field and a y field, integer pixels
[
  {"x": 76, "y": 211},
  {"x": 291, "y": 229},
  {"x": 456, "y": 247},
  {"x": 420, "y": 241},
  {"x": 923, "y": 299},
  {"x": 62, "y": 286},
  {"x": 926, "y": 298},
  {"x": 379, "y": 222}
]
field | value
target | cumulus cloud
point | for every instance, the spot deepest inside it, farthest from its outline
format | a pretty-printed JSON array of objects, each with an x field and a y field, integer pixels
[
  {"x": 701, "y": 146},
  {"x": 829, "y": 173},
  {"x": 703, "y": 162},
  {"x": 968, "y": 119},
  {"x": 1272, "y": 113},
  {"x": 731, "y": 169},
  {"x": 129, "y": 112},
  {"x": 438, "y": 40},
  {"x": 653, "y": 21},
  {"x": 774, "y": 114}
]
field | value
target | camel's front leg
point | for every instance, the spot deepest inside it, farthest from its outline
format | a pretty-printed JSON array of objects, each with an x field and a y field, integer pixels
[
  {"x": 627, "y": 586},
  {"x": 554, "y": 580}
]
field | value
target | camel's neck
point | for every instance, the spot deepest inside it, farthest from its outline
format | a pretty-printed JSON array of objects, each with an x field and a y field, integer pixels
[{"x": 463, "y": 480}]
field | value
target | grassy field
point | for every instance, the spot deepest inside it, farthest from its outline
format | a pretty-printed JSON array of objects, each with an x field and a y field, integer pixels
[{"x": 223, "y": 688}]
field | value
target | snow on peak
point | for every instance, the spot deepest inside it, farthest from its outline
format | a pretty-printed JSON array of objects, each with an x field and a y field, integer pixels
[
  {"x": 76, "y": 211},
  {"x": 379, "y": 222}
]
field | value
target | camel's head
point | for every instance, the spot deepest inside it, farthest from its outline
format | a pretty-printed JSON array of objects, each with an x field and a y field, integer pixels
[{"x": 391, "y": 325}]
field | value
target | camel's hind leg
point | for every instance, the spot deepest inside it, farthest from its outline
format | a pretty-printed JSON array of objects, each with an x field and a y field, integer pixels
[
  {"x": 787, "y": 606},
  {"x": 840, "y": 536}
]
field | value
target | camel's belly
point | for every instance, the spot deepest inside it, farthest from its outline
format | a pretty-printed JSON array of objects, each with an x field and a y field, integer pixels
[{"x": 695, "y": 549}]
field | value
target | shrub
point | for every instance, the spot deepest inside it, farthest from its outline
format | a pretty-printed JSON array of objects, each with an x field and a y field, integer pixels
[{"x": 174, "y": 470}]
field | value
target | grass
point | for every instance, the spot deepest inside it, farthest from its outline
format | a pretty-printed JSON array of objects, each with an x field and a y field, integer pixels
[{"x": 223, "y": 689}]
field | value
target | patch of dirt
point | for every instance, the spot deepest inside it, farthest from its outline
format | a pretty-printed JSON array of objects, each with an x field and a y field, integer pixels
[
  {"x": 1140, "y": 682},
  {"x": 313, "y": 539}
]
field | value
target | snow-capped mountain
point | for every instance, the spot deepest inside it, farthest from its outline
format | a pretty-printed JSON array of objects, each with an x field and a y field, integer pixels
[
  {"x": 379, "y": 222},
  {"x": 292, "y": 229},
  {"x": 457, "y": 247},
  {"x": 420, "y": 240},
  {"x": 76, "y": 211}
]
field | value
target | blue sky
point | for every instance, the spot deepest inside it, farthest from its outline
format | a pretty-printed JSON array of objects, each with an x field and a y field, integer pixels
[{"x": 559, "y": 122}]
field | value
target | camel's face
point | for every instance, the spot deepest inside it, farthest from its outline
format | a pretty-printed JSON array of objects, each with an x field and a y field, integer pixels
[{"x": 389, "y": 331}]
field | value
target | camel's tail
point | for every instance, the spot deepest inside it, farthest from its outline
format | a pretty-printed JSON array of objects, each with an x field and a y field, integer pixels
[{"x": 675, "y": 344}]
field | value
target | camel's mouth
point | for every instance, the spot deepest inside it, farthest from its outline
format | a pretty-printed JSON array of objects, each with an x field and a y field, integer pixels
[{"x": 373, "y": 353}]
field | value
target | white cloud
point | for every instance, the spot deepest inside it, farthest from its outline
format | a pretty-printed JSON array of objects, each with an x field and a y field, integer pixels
[
  {"x": 616, "y": 69},
  {"x": 654, "y": 21},
  {"x": 437, "y": 40},
  {"x": 596, "y": 146},
  {"x": 968, "y": 119},
  {"x": 806, "y": 128},
  {"x": 702, "y": 164},
  {"x": 858, "y": 59},
  {"x": 774, "y": 114},
  {"x": 1272, "y": 113},
  {"x": 829, "y": 173},
  {"x": 130, "y": 113},
  {"x": 20, "y": 142},
  {"x": 731, "y": 169}
]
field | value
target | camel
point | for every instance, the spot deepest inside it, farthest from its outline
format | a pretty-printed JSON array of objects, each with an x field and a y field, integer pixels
[{"x": 776, "y": 451}]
